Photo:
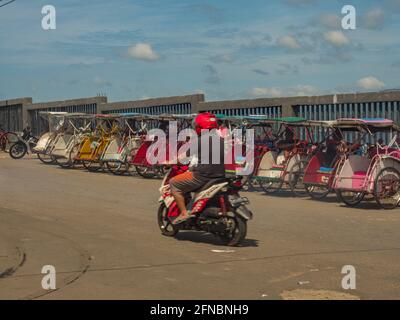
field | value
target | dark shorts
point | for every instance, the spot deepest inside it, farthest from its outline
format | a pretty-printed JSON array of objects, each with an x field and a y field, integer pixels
[{"x": 187, "y": 182}]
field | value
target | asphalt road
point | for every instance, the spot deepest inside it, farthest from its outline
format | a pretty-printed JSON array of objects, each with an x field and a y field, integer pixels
[{"x": 100, "y": 233}]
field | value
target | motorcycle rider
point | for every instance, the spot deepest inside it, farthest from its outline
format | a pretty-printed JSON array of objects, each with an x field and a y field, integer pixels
[{"x": 200, "y": 173}]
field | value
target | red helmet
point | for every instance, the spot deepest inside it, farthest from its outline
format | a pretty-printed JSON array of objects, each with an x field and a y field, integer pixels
[{"x": 205, "y": 121}]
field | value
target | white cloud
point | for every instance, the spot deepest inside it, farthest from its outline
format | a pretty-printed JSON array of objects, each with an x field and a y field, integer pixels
[
  {"x": 374, "y": 19},
  {"x": 370, "y": 83},
  {"x": 143, "y": 51},
  {"x": 337, "y": 38},
  {"x": 266, "y": 92},
  {"x": 288, "y": 42},
  {"x": 275, "y": 92},
  {"x": 304, "y": 90}
]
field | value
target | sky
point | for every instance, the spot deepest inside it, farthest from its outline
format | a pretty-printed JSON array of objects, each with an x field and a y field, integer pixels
[{"x": 226, "y": 49}]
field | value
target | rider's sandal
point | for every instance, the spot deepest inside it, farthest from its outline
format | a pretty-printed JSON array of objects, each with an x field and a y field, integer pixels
[{"x": 181, "y": 219}]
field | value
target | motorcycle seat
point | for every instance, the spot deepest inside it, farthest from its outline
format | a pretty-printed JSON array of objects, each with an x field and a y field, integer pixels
[{"x": 210, "y": 183}]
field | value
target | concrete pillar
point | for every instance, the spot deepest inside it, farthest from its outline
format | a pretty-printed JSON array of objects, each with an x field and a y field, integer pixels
[{"x": 287, "y": 110}]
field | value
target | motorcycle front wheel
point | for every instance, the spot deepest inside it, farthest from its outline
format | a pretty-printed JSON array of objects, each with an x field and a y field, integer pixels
[{"x": 164, "y": 223}]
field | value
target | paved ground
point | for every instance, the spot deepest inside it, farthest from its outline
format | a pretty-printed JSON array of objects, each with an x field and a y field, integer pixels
[{"x": 100, "y": 233}]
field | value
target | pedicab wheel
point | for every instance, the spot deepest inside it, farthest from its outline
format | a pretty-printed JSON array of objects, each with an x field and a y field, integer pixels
[
  {"x": 350, "y": 198},
  {"x": 92, "y": 166},
  {"x": 161, "y": 171},
  {"x": 386, "y": 188},
  {"x": 64, "y": 163},
  {"x": 112, "y": 167},
  {"x": 296, "y": 176},
  {"x": 246, "y": 184},
  {"x": 250, "y": 184},
  {"x": 122, "y": 169},
  {"x": 46, "y": 159},
  {"x": 146, "y": 172},
  {"x": 317, "y": 192},
  {"x": 270, "y": 186},
  {"x": 18, "y": 150},
  {"x": 165, "y": 225},
  {"x": 73, "y": 154},
  {"x": 117, "y": 168},
  {"x": 236, "y": 231}
]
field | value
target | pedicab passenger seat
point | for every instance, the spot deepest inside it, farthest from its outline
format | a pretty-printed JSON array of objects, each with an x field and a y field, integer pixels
[
  {"x": 358, "y": 179},
  {"x": 325, "y": 170}
]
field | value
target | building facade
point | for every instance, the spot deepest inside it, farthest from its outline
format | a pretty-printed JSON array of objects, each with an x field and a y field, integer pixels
[
  {"x": 18, "y": 113},
  {"x": 11, "y": 114}
]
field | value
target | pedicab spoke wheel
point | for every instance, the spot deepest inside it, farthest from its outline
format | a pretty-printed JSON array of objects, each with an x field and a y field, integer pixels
[
  {"x": 246, "y": 184},
  {"x": 270, "y": 186},
  {"x": 73, "y": 154},
  {"x": 386, "y": 188},
  {"x": 113, "y": 167},
  {"x": 296, "y": 176},
  {"x": 146, "y": 172},
  {"x": 92, "y": 166},
  {"x": 350, "y": 198},
  {"x": 317, "y": 192},
  {"x": 64, "y": 162},
  {"x": 164, "y": 223},
  {"x": 117, "y": 168},
  {"x": 124, "y": 168},
  {"x": 250, "y": 184},
  {"x": 46, "y": 159}
]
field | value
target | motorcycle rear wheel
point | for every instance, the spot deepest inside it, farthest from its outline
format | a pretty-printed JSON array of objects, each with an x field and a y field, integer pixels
[{"x": 237, "y": 234}]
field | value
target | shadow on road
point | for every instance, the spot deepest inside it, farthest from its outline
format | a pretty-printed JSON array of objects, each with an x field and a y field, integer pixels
[{"x": 196, "y": 236}]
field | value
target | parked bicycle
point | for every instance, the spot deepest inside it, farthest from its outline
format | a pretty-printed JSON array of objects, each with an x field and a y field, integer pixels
[{"x": 7, "y": 138}]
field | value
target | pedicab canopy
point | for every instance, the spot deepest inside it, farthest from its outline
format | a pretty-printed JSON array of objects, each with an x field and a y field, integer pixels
[
  {"x": 291, "y": 120},
  {"x": 55, "y": 120},
  {"x": 372, "y": 125},
  {"x": 245, "y": 119}
]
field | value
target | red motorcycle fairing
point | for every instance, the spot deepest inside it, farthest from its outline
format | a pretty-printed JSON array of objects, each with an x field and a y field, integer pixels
[{"x": 173, "y": 210}]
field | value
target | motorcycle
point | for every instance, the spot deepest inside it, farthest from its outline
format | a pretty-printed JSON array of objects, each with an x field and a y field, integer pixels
[
  {"x": 24, "y": 145},
  {"x": 217, "y": 208}
]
